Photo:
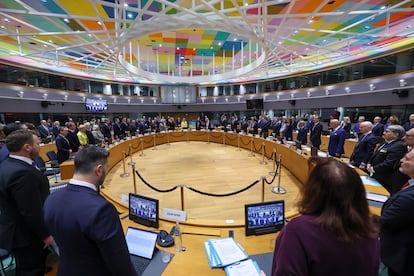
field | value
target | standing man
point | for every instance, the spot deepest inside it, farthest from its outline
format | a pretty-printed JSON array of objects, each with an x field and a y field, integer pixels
[
  {"x": 316, "y": 132},
  {"x": 336, "y": 139},
  {"x": 410, "y": 124},
  {"x": 397, "y": 225},
  {"x": 385, "y": 158},
  {"x": 23, "y": 191},
  {"x": 378, "y": 129},
  {"x": 364, "y": 149},
  {"x": 85, "y": 225},
  {"x": 62, "y": 145}
]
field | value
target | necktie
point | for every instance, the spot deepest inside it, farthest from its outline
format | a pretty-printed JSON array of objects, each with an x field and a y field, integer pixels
[
  {"x": 406, "y": 184},
  {"x": 34, "y": 165}
]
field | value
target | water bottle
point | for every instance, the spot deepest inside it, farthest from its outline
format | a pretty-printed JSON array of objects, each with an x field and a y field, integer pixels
[{"x": 178, "y": 242}]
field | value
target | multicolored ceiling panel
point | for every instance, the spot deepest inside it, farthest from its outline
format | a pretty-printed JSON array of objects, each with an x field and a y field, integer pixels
[{"x": 194, "y": 41}]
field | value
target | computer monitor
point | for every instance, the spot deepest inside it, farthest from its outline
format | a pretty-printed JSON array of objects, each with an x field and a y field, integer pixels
[
  {"x": 143, "y": 210},
  {"x": 265, "y": 217}
]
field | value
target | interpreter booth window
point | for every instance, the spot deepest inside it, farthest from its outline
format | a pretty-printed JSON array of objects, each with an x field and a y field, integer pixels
[{"x": 178, "y": 94}]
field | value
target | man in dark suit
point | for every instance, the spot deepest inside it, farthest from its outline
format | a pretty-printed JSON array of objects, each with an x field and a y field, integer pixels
[
  {"x": 73, "y": 137},
  {"x": 23, "y": 190},
  {"x": 106, "y": 130},
  {"x": 397, "y": 225},
  {"x": 364, "y": 149},
  {"x": 85, "y": 225},
  {"x": 378, "y": 129},
  {"x": 387, "y": 155},
  {"x": 62, "y": 145},
  {"x": 316, "y": 132},
  {"x": 410, "y": 124},
  {"x": 43, "y": 130},
  {"x": 302, "y": 133},
  {"x": 336, "y": 139}
]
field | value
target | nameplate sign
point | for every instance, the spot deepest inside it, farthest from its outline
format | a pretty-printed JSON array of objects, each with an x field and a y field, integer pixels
[{"x": 173, "y": 214}]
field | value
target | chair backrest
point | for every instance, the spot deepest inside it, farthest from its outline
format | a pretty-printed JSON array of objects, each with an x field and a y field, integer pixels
[
  {"x": 40, "y": 163},
  {"x": 53, "y": 159}
]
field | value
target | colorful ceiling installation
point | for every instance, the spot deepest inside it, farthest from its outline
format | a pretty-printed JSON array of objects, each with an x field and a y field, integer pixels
[{"x": 199, "y": 41}]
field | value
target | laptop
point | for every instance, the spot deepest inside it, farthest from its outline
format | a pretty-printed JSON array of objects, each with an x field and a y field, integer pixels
[{"x": 141, "y": 247}]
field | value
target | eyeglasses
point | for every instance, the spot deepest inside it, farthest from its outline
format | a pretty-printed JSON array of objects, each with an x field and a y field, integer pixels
[{"x": 408, "y": 135}]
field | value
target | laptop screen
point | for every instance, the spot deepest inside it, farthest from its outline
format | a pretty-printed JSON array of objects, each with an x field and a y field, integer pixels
[{"x": 140, "y": 242}]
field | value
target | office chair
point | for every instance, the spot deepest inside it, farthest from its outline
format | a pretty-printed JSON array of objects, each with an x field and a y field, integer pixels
[
  {"x": 5, "y": 255},
  {"x": 54, "y": 165}
]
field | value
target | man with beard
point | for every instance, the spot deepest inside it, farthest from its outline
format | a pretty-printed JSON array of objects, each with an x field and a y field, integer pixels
[
  {"x": 86, "y": 226},
  {"x": 23, "y": 190}
]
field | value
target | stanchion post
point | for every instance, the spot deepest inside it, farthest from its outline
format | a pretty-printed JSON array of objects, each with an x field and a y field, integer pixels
[
  {"x": 224, "y": 138},
  {"x": 263, "y": 162},
  {"x": 273, "y": 172},
  {"x": 124, "y": 174},
  {"x": 251, "y": 154},
  {"x": 168, "y": 137},
  {"x": 134, "y": 178},
  {"x": 188, "y": 135},
  {"x": 238, "y": 142},
  {"x": 130, "y": 155},
  {"x": 142, "y": 147},
  {"x": 182, "y": 196},
  {"x": 154, "y": 147},
  {"x": 208, "y": 136},
  {"x": 278, "y": 189}
]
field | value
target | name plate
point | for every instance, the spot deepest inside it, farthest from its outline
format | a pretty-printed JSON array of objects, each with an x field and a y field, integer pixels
[{"x": 173, "y": 214}]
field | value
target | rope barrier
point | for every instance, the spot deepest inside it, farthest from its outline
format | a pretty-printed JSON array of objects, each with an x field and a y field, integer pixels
[{"x": 195, "y": 190}]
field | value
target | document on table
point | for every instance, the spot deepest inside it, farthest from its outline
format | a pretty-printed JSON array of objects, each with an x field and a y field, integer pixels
[
  {"x": 228, "y": 251},
  {"x": 245, "y": 268}
]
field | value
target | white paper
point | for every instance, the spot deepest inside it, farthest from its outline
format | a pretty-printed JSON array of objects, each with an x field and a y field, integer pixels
[
  {"x": 228, "y": 251},
  {"x": 245, "y": 268}
]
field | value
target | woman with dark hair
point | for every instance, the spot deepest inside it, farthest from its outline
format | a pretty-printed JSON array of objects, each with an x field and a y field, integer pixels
[{"x": 335, "y": 235}]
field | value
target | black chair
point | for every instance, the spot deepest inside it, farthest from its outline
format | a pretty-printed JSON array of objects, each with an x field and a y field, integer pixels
[
  {"x": 41, "y": 164},
  {"x": 5, "y": 255},
  {"x": 53, "y": 159}
]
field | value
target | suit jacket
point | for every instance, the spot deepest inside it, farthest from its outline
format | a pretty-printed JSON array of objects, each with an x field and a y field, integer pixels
[
  {"x": 43, "y": 132},
  {"x": 73, "y": 140},
  {"x": 378, "y": 130},
  {"x": 23, "y": 190},
  {"x": 88, "y": 232},
  {"x": 396, "y": 232},
  {"x": 385, "y": 159},
  {"x": 336, "y": 142},
  {"x": 106, "y": 131},
  {"x": 63, "y": 147},
  {"x": 302, "y": 135},
  {"x": 315, "y": 135},
  {"x": 363, "y": 150}
]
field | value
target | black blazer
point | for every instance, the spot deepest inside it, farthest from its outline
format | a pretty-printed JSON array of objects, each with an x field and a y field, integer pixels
[
  {"x": 63, "y": 148},
  {"x": 385, "y": 159},
  {"x": 363, "y": 150},
  {"x": 315, "y": 135},
  {"x": 302, "y": 135},
  {"x": 23, "y": 191},
  {"x": 73, "y": 140},
  {"x": 396, "y": 232}
]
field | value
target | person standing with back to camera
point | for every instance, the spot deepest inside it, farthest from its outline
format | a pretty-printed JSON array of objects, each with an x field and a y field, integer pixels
[{"x": 335, "y": 234}]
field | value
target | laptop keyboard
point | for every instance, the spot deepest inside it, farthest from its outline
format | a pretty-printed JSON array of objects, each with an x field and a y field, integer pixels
[{"x": 141, "y": 263}]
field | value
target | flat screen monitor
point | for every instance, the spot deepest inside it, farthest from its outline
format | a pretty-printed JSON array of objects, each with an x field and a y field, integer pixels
[
  {"x": 264, "y": 218},
  {"x": 314, "y": 151},
  {"x": 96, "y": 105},
  {"x": 143, "y": 210}
]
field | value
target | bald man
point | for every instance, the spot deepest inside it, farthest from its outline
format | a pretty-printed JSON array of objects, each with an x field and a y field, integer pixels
[{"x": 365, "y": 146}]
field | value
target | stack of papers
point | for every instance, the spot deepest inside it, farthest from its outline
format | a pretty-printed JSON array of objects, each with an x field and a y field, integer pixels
[{"x": 227, "y": 254}]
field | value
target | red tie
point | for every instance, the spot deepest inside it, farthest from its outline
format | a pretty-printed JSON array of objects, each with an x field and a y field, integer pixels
[{"x": 406, "y": 184}]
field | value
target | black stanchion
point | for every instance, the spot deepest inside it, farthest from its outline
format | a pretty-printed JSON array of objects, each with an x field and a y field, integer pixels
[
  {"x": 238, "y": 142},
  {"x": 273, "y": 172}
]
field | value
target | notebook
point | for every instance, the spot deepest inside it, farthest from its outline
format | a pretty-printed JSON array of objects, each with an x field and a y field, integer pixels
[{"x": 141, "y": 247}]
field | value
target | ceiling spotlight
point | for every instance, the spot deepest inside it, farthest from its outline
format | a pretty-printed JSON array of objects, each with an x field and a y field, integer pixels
[
  {"x": 114, "y": 100},
  {"x": 403, "y": 83},
  {"x": 278, "y": 97},
  {"x": 238, "y": 99},
  {"x": 65, "y": 98},
  {"x": 155, "y": 101},
  {"x": 372, "y": 87},
  {"x": 227, "y": 100},
  {"x": 129, "y": 101},
  {"x": 202, "y": 100},
  {"x": 292, "y": 96},
  {"x": 214, "y": 99},
  {"x": 142, "y": 101},
  {"x": 327, "y": 92},
  {"x": 83, "y": 99},
  {"x": 20, "y": 94},
  {"x": 309, "y": 94},
  {"x": 347, "y": 89},
  {"x": 44, "y": 96}
]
